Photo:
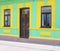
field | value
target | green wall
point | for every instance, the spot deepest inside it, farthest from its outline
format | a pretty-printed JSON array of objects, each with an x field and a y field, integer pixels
[
  {"x": 14, "y": 29},
  {"x": 34, "y": 32},
  {"x": 34, "y": 14},
  {"x": 37, "y": 33},
  {"x": 57, "y": 14},
  {"x": 16, "y": 1},
  {"x": 54, "y": 33},
  {"x": 14, "y": 15}
]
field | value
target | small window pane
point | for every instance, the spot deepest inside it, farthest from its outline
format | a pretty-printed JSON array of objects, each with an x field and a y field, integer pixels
[
  {"x": 8, "y": 20},
  {"x": 49, "y": 19},
  {"x": 46, "y": 9},
  {"x": 5, "y": 18},
  {"x": 25, "y": 11},
  {"x": 7, "y": 12},
  {"x": 5, "y": 23},
  {"x": 43, "y": 19}
]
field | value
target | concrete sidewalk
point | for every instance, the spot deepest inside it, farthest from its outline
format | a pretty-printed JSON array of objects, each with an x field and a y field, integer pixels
[{"x": 20, "y": 46}]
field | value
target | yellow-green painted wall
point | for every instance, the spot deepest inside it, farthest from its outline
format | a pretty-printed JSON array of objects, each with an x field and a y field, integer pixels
[{"x": 35, "y": 19}]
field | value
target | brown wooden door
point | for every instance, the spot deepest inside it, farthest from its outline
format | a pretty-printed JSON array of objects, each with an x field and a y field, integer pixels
[{"x": 24, "y": 23}]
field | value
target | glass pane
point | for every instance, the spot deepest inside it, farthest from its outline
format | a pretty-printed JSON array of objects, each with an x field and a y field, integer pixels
[
  {"x": 5, "y": 18},
  {"x": 8, "y": 20},
  {"x": 46, "y": 9},
  {"x": 43, "y": 19},
  {"x": 7, "y": 12},
  {"x": 49, "y": 19},
  {"x": 25, "y": 11},
  {"x": 5, "y": 23}
]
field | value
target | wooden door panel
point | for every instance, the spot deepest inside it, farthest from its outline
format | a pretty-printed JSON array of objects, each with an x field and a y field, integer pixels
[{"x": 24, "y": 23}]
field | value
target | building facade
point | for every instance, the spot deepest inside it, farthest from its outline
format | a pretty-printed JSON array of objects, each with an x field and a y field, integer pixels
[{"x": 30, "y": 19}]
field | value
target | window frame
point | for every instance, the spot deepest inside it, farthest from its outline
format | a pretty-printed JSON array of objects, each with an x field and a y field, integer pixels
[
  {"x": 8, "y": 15},
  {"x": 46, "y": 17}
]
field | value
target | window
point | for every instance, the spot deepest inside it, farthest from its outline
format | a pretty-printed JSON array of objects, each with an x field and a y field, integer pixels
[
  {"x": 46, "y": 17},
  {"x": 7, "y": 18}
]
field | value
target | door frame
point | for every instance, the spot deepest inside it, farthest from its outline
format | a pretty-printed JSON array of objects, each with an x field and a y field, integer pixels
[{"x": 20, "y": 19}]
